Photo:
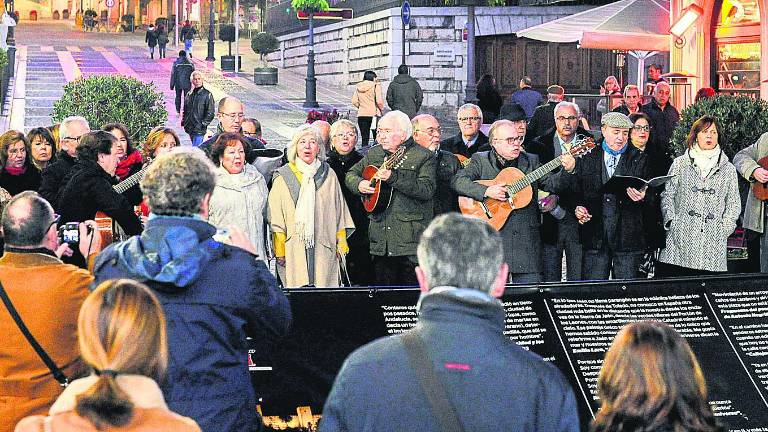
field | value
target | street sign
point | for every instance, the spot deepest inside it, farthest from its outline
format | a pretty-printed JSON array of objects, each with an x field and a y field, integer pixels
[
  {"x": 110, "y": 3},
  {"x": 330, "y": 14},
  {"x": 405, "y": 13}
]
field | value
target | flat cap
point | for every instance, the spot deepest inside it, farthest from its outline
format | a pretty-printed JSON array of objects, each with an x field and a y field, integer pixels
[
  {"x": 555, "y": 89},
  {"x": 512, "y": 112},
  {"x": 616, "y": 120}
]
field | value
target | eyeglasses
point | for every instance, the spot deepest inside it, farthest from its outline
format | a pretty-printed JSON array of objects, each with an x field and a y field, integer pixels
[
  {"x": 56, "y": 219},
  {"x": 380, "y": 131},
  {"x": 233, "y": 116},
  {"x": 70, "y": 139},
  {"x": 568, "y": 119},
  {"x": 342, "y": 135},
  {"x": 511, "y": 140},
  {"x": 467, "y": 119},
  {"x": 641, "y": 128},
  {"x": 249, "y": 134},
  {"x": 431, "y": 131}
]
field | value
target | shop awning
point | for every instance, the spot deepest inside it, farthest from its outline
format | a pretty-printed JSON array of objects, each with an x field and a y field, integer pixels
[{"x": 631, "y": 25}]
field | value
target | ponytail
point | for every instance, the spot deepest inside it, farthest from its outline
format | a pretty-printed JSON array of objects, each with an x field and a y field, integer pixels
[{"x": 104, "y": 403}]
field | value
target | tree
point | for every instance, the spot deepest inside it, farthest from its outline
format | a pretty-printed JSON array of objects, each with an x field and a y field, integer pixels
[
  {"x": 310, "y": 5},
  {"x": 264, "y": 43}
]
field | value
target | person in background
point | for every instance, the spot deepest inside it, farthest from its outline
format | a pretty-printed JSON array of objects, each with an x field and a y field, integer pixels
[
  {"x": 181, "y": 74},
  {"x": 654, "y": 77},
  {"x": 188, "y": 35},
  {"x": 404, "y": 93},
  {"x": 544, "y": 115},
  {"x": 324, "y": 129},
  {"x": 341, "y": 159},
  {"x": 426, "y": 133},
  {"x": 631, "y": 102},
  {"x": 704, "y": 93},
  {"x": 54, "y": 130},
  {"x": 240, "y": 197},
  {"x": 51, "y": 180},
  {"x": 651, "y": 381},
  {"x": 515, "y": 113},
  {"x": 526, "y": 97},
  {"x": 43, "y": 147},
  {"x": 612, "y": 89},
  {"x": 470, "y": 139},
  {"x": 151, "y": 39},
  {"x": 754, "y": 219},
  {"x": 162, "y": 40},
  {"x": 251, "y": 128},
  {"x": 121, "y": 336},
  {"x": 19, "y": 172},
  {"x": 369, "y": 102},
  {"x": 199, "y": 110},
  {"x": 160, "y": 140},
  {"x": 664, "y": 118},
  {"x": 488, "y": 98},
  {"x": 700, "y": 205},
  {"x": 308, "y": 215}
]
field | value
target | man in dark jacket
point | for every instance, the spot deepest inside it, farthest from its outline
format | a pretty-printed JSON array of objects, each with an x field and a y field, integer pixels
[
  {"x": 612, "y": 226},
  {"x": 181, "y": 78},
  {"x": 394, "y": 232},
  {"x": 631, "y": 102},
  {"x": 187, "y": 35},
  {"x": 470, "y": 139},
  {"x": 491, "y": 383},
  {"x": 199, "y": 110},
  {"x": 213, "y": 294},
  {"x": 664, "y": 118},
  {"x": 426, "y": 133},
  {"x": 404, "y": 93},
  {"x": 544, "y": 115},
  {"x": 526, "y": 97},
  {"x": 520, "y": 232},
  {"x": 70, "y": 131},
  {"x": 515, "y": 113}
]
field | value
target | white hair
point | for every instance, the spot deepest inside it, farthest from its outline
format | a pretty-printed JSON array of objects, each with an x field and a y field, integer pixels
[
  {"x": 566, "y": 104},
  {"x": 64, "y": 126},
  {"x": 302, "y": 131},
  {"x": 470, "y": 106},
  {"x": 402, "y": 119}
]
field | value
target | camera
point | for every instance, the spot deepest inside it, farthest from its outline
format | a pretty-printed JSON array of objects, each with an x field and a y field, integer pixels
[{"x": 69, "y": 233}]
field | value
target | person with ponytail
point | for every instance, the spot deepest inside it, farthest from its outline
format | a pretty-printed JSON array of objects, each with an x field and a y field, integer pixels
[{"x": 122, "y": 337}]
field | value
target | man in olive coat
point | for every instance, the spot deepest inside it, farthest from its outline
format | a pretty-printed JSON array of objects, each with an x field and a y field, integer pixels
[{"x": 394, "y": 232}]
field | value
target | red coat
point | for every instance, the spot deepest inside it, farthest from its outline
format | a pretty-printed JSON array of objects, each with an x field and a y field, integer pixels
[{"x": 47, "y": 294}]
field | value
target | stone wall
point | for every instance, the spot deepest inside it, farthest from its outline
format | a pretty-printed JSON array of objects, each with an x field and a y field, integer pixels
[{"x": 435, "y": 49}]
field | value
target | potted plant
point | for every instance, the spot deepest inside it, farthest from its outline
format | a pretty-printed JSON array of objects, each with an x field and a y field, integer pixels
[{"x": 262, "y": 44}]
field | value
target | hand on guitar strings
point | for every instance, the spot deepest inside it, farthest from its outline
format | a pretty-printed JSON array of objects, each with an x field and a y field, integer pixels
[
  {"x": 569, "y": 162},
  {"x": 582, "y": 214},
  {"x": 761, "y": 175},
  {"x": 383, "y": 174},
  {"x": 636, "y": 195},
  {"x": 365, "y": 187},
  {"x": 497, "y": 192}
]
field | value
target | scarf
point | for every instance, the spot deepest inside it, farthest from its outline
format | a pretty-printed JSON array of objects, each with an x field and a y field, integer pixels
[
  {"x": 16, "y": 171},
  {"x": 613, "y": 152},
  {"x": 305, "y": 206},
  {"x": 704, "y": 160},
  {"x": 124, "y": 166},
  {"x": 502, "y": 163}
]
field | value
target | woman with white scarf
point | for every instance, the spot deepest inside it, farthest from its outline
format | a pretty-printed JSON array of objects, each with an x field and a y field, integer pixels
[
  {"x": 700, "y": 206},
  {"x": 308, "y": 215}
]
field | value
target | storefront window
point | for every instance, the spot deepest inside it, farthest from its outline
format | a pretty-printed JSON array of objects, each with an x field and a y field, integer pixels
[
  {"x": 738, "y": 47},
  {"x": 739, "y": 12}
]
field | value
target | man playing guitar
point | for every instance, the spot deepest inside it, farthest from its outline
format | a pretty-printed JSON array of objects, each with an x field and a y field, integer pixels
[
  {"x": 520, "y": 233},
  {"x": 394, "y": 232}
]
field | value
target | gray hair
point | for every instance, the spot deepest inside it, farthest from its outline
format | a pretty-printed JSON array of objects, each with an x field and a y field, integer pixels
[
  {"x": 347, "y": 123},
  {"x": 195, "y": 73},
  {"x": 566, "y": 104},
  {"x": 26, "y": 220},
  {"x": 631, "y": 87},
  {"x": 64, "y": 126},
  {"x": 301, "y": 132},
  {"x": 461, "y": 252},
  {"x": 662, "y": 84},
  {"x": 176, "y": 182},
  {"x": 402, "y": 120},
  {"x": 496, "y": 125},
  {"x": 468, "y": 106}
]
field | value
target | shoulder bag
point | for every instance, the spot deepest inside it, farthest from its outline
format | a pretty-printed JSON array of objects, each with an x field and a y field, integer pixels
[{"x": 377, "y": 113}]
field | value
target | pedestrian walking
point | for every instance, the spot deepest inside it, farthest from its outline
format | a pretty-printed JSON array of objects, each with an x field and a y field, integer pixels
[
  {"x": 198, "y": 110},
  {"x": 181, "y": 74},
  {"x": 151, "y": 39},
  {"x": 404, "y": 93},
  {"x": 162, "y": 40},
  {"x": 187, "y": 34},
  {"x": 369, "y": 102}
]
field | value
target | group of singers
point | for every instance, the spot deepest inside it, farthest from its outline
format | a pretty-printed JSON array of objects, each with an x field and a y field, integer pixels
[{"x": 305, "y": 209}]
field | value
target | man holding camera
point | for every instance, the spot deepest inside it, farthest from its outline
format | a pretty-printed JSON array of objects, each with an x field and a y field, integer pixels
[{"x": 47, "y": 294}]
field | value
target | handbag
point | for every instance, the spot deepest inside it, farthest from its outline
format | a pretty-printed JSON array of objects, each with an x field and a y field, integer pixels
[
  {"x": 55, "y": 370},
  {"x": 377, "y": 116}
]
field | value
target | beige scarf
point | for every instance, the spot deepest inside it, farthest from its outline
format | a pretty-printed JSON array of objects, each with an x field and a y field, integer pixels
[
  {"x": 305, "y": 206},
  {"x": 705, "y": 160}
]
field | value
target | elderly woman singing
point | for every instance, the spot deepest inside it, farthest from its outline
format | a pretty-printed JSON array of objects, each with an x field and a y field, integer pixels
[{"x": 308, "y": 215}]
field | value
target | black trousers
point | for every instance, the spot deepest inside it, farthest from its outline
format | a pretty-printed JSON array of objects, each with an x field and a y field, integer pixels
[
  {"x": 664, "y": 270},
  {"x": 181, "y": 94},
  {"x": 365, "y": 130},
  {"x": 395, "y": 271}
]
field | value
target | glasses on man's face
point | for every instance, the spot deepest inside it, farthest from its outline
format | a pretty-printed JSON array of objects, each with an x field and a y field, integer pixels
[
  {"x": 249, "y": 134},
  {"x": 233, "y": 116},
  {"x": 641, "y": 128},
  {"x": 71, "y": 139},
  {"x": 380, "y": 131},
  {"x": 342, "y": 135},
  {"x": 55, "y": 221},
  {"x": 431, "y": 131},
  {"x": 511, "y": 140},
  {"x": 562, "y": 119},
  {"x": 468, "y": 119}
]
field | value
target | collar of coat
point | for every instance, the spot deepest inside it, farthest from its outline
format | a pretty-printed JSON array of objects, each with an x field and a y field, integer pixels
[
  {"x": 142, "y": 391},
  {"x": 15, "y": 257},
  {"x": 463, "y": 301},
  {"x": 249, "y": 176}
]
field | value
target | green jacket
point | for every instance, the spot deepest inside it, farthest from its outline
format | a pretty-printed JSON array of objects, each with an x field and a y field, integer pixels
[
  {"x": 396, "y": 230},
  {"x": 745, "y": 162}
]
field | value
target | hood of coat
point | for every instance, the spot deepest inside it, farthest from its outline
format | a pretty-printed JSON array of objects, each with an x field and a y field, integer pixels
[
  {"x": 171, "y": 250},
  {"x": 249, "y": 176},
  {"x": 365, "y": 86},
  {"x": 402, "y": 79}
]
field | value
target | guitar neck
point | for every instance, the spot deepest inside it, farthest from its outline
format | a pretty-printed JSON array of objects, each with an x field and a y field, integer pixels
[
  {"x": 534, "y": 175},
  {"x": 131, "y": 181}
]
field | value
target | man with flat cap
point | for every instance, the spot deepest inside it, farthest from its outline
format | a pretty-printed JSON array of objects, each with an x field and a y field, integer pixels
[
  {"x": 544, "y": 115},
  {"x": 611, "y": 220}
]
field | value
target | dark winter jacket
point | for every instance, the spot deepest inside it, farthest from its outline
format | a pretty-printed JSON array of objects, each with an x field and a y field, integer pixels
[
  {"x": 494, "y": 384},
  {"x": 29, "y": 180},
  {"x": 52, "y": 177},
  {"x": 396, "y": 230},
  {"x": 446, "y": 199},
  {"x": 187, "y": 32},
  {"x": 151, "y": 38},
  {"x": 180, "y": 74},
  {"x": 663, "y": 124},
  {"x": 527, "y": 98},
  {"x": 213, "y": 295},
  {"x": 455, "y": 144},
  {"x": 489, "y": 100},
  {"x": 199, "y": 110},
  {"x": 404, "y": 94},
  {"x": 543, "y": 119},
  {"x": 341, "y": 164}
]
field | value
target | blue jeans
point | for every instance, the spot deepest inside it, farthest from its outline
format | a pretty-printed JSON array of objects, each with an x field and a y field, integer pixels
[
  {"x": 196, "y": 140},
  {"x": 188, "y": 46}
]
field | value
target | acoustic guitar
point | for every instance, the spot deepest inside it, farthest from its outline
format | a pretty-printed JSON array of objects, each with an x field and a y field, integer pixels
[
  {"x": 519, "y": 190},
  {"x": 761, "y": 189},
  {"x": 379, "y": 200},
  {"x": 108, "y": 229}
]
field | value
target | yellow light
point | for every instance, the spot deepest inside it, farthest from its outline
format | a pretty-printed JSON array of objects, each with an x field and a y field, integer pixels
[{"x": 689, "y": 17}]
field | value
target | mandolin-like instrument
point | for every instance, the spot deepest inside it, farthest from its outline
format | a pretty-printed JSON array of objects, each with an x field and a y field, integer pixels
[
  {"x": 761, "y": 189},
  {"x": 379, "y": 200}
]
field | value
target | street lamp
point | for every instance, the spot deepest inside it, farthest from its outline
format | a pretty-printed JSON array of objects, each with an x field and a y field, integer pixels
[
  {"x": 311, "y": 81},
  {"x": 470, "y": 90},
  {"x": 686, "y": 20},
  {"x": 211, "y": 33}
]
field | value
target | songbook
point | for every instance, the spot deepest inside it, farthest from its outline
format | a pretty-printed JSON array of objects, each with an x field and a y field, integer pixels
[{"x": 620, "y": 183}]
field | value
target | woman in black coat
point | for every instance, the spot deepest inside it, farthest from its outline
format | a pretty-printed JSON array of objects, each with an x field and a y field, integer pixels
[
  {"x": 151, "y": 40},
  {"x": 488, "y": 98},
  {"x": 19, "y": 172}
]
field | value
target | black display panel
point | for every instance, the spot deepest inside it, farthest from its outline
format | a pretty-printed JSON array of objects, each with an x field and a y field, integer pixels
[{"x": 724, "y": 319}]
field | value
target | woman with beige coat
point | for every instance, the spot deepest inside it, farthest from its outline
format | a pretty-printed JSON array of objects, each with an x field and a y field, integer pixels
[
  {"x": 369, "y": 103},
  {"x": 308, "y": 215}
]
